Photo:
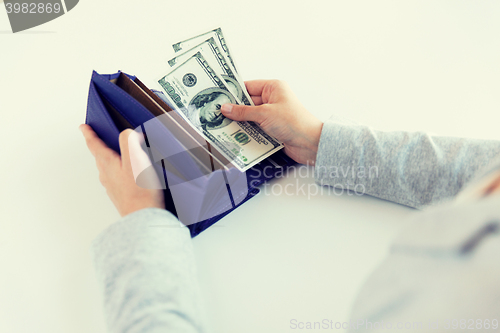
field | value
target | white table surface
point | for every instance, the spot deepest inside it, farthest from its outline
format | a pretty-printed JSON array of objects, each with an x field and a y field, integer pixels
[{"x": 395, "y": 65}]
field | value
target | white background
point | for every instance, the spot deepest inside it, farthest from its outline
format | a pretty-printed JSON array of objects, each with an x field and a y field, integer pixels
[{"x": 395, "y": 65}]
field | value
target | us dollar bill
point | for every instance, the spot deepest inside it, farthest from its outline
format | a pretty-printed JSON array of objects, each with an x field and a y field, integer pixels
[
  {"x": 197, "y": 92},
  {"x": 196, "y": 40},
  {"x": 220, "y": 64}
]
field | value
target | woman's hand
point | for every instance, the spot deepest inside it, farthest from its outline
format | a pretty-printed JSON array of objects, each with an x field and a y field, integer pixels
[
  {"x": 278, "y": 111},
  {"x": 487, "y": 186},
  {"x": 116, "y": 175}
]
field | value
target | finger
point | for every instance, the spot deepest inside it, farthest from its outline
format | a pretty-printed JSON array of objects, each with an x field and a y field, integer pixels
[
  {"x": 257, "y": 100},
  {"x": 245, "y": 112},
  {"x": 96, "y": 146},
  {"x": 255, "y": 87},
  {"x": 136, "y": 162},
  {"x": 124, "y": 138},
  {"x": 493, "y": 187},
  {"x": 132, "y": 147}
]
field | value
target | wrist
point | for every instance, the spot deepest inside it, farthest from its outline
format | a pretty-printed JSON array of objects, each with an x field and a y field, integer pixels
[
  {"x": 304, "y": 149},
  {"x": 313, "y": 135},
  {"x": 140, "y": 201}
]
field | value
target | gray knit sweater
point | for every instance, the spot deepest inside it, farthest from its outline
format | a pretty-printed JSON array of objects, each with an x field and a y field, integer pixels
[{"x": 146, "y": 268}]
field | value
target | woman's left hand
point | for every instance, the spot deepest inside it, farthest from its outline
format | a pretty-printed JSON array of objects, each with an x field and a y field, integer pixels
[{"x": 116, "y": 175}]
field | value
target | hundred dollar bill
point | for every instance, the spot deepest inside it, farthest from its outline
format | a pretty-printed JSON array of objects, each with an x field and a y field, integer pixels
[
  {"x": 219, "y": 63},
  {"x": 197, "y": 93},
  {"x": 218, "y": 36}
]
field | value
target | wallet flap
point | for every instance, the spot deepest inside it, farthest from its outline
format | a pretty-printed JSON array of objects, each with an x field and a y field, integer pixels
[
  {"x": 195, "y": 144},
  {"x": 100, "y": 120}
]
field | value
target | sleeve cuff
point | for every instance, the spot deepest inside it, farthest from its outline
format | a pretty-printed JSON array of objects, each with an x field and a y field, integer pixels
[
  {"x": 137, "y": 232},
  {"x": 336, "y": 148}
]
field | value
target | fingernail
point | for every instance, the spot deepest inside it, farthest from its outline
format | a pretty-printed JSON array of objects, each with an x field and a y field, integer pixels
[
  {"x": 80, "y": 127},
  {"x": 226, "y": 108}
]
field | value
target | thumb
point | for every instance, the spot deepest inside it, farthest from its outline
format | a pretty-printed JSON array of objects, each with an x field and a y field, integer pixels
[
  {"x": 244, "y": 112},
  {"x": 134, "y": 158}
]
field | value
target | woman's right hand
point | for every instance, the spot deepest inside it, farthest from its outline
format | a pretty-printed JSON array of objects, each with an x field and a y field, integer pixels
[{"x": 278, "y": 111}]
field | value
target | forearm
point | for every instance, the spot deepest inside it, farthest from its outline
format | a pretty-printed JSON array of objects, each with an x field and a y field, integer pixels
[
  {"x": 146, "y": 267},
  {"x": 413, "y": 169}
]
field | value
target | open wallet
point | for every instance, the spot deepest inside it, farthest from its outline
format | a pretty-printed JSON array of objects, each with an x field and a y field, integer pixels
[{"x": 200, "y": 185}]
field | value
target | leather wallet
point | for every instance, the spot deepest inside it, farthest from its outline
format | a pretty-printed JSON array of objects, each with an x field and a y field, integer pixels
[{"x": 120, "y": 101}]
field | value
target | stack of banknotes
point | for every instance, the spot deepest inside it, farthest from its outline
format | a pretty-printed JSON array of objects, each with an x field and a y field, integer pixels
[{"x": 203, "y": 77}]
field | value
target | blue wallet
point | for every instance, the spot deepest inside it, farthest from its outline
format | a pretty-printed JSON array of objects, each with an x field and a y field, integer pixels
[{"x": 119, "y": 101}]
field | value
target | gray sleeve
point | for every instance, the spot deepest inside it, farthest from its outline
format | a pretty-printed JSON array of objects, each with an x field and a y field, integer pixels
[
  {"x": 412, "y": 169},
  {"x": 443, "y": 266},
  {"x": 146, "y": 268}
]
